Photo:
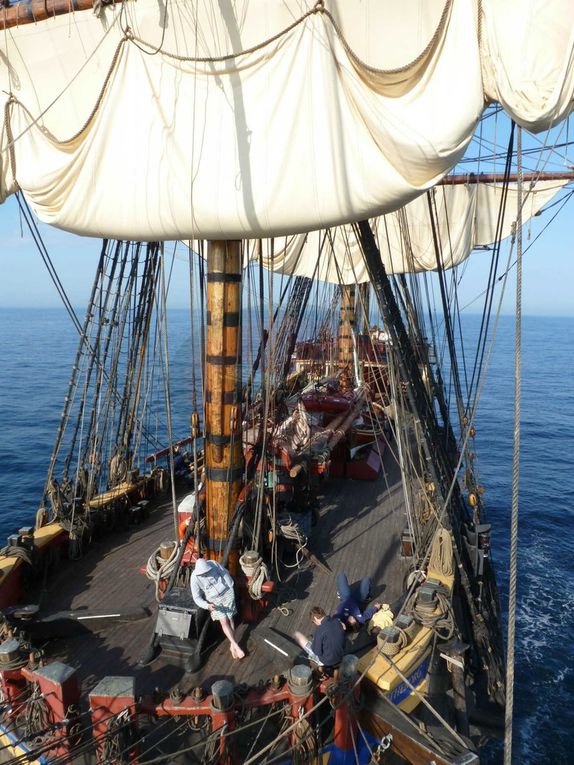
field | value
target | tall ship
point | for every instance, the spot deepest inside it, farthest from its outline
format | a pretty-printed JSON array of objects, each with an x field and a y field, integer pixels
[{"x": 284, "y": 553}]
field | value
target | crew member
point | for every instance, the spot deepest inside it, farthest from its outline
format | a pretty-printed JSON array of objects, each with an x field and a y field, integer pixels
[
  {"x": 327, "y": 645},
  {"x": 212, "y": 588},
  {"x": 181, "y": 466},
  {"x": 352, "y": 609}
]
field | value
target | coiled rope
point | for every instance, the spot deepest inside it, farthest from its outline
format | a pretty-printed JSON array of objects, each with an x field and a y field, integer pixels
[
  {"x": 290, "y": 529},
  {"x": 37, "y": 715},
  {"x": 158, "y": 568},
  {"x": 436, "y": 616},
  {"x": 304, "y": 744},
  {"x": 392, "y": 640},
  {"x": 440, "y": 559},
  {"x": 118, "y": 738},
  {"x": 258, "y": 572}
]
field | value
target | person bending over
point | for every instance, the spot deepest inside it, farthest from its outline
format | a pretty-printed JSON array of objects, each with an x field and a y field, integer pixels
[
  {"x": 212, "y": 588},
  {"x": 326, "y": 647}
]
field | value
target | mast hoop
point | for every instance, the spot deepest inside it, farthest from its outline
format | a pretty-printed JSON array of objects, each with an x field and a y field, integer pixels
[{"x": 223, "y": 475}]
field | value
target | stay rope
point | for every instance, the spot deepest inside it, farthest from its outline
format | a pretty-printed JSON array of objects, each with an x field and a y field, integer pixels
[{"x": 511, "y": 635}]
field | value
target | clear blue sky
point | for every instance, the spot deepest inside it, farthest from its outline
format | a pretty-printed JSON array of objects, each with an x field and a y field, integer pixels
[
  {"x": 548, "y": 266},
  {"x": 548, "y": 287}
]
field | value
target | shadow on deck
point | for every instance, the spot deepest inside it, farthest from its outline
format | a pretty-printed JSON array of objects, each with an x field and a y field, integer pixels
[{"x": 358, "y": 532}]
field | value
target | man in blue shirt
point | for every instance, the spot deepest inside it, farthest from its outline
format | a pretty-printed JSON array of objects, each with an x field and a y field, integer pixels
[
  {"x": 351, "y": 610},
  {"x": 327, "y": 645},
  {"x": 181, "y": 466}
]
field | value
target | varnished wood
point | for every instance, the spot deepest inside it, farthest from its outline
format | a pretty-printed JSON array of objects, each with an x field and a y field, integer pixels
[
  {"x": 346, "y": 326},
  {"x": 410, "y": 743},
  {"x": 126, "y": 489},
  {"x": 458, "y": 179},
  {"x": 33, "y": 11},
  {"x": 223, "y": 448}
]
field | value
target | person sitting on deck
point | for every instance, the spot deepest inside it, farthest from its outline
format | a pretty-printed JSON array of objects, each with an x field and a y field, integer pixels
[
  {"x": 351, "y": 610},
  {"x": 212, "y": 588},
  {"x": 327, "y": 646}
]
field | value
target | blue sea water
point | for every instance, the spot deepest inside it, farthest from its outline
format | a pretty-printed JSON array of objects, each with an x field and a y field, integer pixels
[{"x": 37, "y": 349}]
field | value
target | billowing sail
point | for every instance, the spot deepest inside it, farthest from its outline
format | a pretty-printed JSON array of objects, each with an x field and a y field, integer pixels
[
  {"x": 463, "y": 216},
  {"x": 261, "y": 117}
]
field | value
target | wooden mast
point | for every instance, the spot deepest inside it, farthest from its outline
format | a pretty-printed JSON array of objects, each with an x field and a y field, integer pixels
[
  {"x": 363, "y": 307},
  {"x": 457, "y": 179},
  {"x": 33, "y": 11},
  {"x": 223, "y": 448},
  {"x": 346, "y": 329}
]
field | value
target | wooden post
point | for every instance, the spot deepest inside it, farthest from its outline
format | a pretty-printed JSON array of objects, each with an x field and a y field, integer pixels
[
  {"x": 346, "y": 329},
  {"x": 223, "y": 448}
]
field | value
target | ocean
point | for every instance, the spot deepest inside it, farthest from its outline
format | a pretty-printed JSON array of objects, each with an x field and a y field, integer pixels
[{"x": 37, "y": 349}]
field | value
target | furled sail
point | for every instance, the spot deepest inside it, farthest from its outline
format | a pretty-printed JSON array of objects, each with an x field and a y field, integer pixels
[
  {"x": 527, "y": 51},
  {"x": 464, "y": 217},
  {"x": 256, "y": 118}
]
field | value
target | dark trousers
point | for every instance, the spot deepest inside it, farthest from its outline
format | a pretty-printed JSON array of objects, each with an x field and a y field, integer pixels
[{"x": 360, "y": 591}]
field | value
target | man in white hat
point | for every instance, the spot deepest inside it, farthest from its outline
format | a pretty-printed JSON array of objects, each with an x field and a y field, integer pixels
[{"x": 212, "y": 589}]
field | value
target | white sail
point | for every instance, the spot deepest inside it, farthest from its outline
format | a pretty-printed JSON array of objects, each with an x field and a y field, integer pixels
[
  {"x": 464, "y": 216},
  {"x": 527, "y": 51},
  {"x": 233, "y": 120}
]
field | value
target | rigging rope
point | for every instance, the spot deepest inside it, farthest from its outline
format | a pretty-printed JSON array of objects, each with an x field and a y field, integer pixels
[
  {"x": 515, "y": 473},
  {"x": 163, "y": 326},
  {"x": 444, "y": 474},
  {"x": 290, "y": 529},
  {"x": 455, "y": 374},
  {"x": 489, "y": 296}
]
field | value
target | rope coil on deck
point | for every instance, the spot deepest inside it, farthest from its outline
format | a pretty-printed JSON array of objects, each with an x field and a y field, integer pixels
[
  {"x": 438, "y": 616},
  {"x": 441, "y": 553},
  {"x": 290, "y": 529},
  {"x": 158, "y": 568},
  {"x": 258, "y": 571},
  {"x": 391, "y": 640}
]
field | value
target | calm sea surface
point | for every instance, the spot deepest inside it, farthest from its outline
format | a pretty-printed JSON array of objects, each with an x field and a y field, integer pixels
[{"x": 37, "y": 349}]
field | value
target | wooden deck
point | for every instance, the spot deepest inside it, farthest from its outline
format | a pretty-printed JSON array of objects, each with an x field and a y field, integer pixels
[{"x": 358, "y": 533}]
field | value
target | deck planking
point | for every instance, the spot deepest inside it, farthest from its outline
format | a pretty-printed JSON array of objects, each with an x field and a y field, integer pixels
[{"x": 358, "y": 532}]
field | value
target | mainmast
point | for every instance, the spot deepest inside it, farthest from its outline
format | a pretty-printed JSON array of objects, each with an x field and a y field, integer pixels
[
  {"x": 223, "y": 448},
  {"x": 346, "y": 330}
]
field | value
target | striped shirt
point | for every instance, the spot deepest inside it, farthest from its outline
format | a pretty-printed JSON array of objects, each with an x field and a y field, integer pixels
[{"x": 212, "y": 586}]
